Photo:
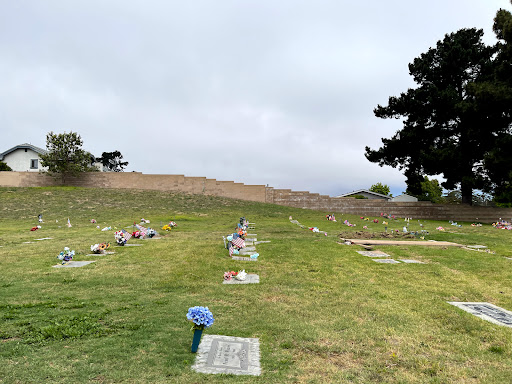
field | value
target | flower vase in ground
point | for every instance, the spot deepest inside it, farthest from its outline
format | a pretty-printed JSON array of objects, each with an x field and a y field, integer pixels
[
  {"x": 197, "y": 338},
  {"x": 201, "y": 317}
]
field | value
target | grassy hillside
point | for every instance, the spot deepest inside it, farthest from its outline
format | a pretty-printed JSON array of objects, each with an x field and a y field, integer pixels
[{"x": 322, "y": 312}]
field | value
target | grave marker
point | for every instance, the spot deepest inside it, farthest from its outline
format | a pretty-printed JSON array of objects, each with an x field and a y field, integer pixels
[
  {"x": 243, "y": 258},
  {"x": 131, "y": 245},
  {"x": 228, "y": 355},
  {"x": 476, "y": 246},
  {"x": 100, "y": 254},
  {"x": 243, "y": 251},
  {"x": 250, "y": 279},
  {"x": 262, "y": 242},
  {"x": 386, "y": 261},
  {"x": 373, "y": 253},
  {"x": 409, "y": 261},
  {"x": 486, "y": 311},
  {"x": 74, "y": 264}
]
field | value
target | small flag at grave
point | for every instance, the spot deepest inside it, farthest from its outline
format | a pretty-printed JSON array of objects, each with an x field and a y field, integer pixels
[
  {"x": 239, "y": 242},
  {"x": 127, "y": 235},
  {"x": 69, "y": 223},
  {"x": 142, "y": 230}
]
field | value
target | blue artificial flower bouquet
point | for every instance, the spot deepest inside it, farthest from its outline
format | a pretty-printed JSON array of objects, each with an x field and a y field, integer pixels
[{"x": 201, "y": 317}]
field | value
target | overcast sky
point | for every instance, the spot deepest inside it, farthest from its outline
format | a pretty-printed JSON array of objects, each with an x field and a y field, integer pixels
[{"x": 275, "y": 92}]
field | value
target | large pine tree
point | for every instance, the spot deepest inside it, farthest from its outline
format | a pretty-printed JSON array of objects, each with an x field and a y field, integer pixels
[{"x": 452, "y": 120}]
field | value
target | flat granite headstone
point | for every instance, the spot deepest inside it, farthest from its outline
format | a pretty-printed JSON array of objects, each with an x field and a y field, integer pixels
[
  {"x": 373, "y": 254},
  {"x": 252, "y": 234},
  {"x": 250, "y": 248},
  {"x": 228, "y": 355},
  {"x": 28, "y": 242},
  {"x": 243, "y": 251},
  {"x": 243, "y": 258},
  {"x": 130, "y": 245},
  {"x": 250, "y": 279},
  {"x": 151, "y": 238},
  {"x": 476, "y": 246},
  {"x": 45, "y": 238},
  {"x": 510, "y": 258},
  {"x": 386, "y": 261},
  {"x": 100, "y": 254},
  {"x": 409, "y": 261},
  {"x": 262, "y": 242},
  {"x": 486, "y": 311},
  {"x": 74, "y": 264}
]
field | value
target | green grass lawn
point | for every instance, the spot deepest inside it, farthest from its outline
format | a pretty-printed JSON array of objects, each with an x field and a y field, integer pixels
[{"x": 322, "y": 312}]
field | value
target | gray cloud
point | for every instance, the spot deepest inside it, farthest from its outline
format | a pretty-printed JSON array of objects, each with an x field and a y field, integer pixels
[{"x": 254, "y": 91}]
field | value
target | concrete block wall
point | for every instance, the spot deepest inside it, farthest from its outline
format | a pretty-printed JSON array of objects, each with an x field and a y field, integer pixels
[
  {"x": 137, "y": 180},
  {"x": 260, "y": 193},
  {"x": 371, "y": 207}
]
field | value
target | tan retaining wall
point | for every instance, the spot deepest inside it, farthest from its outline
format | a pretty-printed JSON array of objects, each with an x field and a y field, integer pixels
[
  {"x": 260, "y": 193},
  {"x": 137, "y": 180},
  {"x": 367, "y": 207}
]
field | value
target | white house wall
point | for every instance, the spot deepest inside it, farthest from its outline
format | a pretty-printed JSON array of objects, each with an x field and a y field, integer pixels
[{"x": 19, "y": 160}]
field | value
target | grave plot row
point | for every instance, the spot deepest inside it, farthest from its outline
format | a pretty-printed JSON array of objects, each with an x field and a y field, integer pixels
[
  {"x": 227, "y": 354},
  {"x": 312, "y": 229},
  {"x": 483, "y": 310}
]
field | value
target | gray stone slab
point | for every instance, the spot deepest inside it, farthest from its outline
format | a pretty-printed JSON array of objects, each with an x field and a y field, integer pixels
[
  {"x": 476, "y": 246},
  {"x": 252, "y": 234},
  {"x": 242, "y": 258},
  {"x": 373, "y": 254},
  {"x": 250, "y": 279},
  {"x": 249, "y": 248},
  {"x": 45, "y": 238},
  {"x": 243, "y": 251},
  {"x": 131, "y": 245},
  {"x": 151, "y": 238},
  {"x": 100, "y": 254},
  {"x": 386, "y": 261},
  {"x": 229, "y": 355},
  {"x": 74, "y": 264},
  {"x": 28, "y": 242},
  {"x": 409, "y": 261},
  {"x": 510, "y": 258},
  {"x": 262, "y": 242},
  {"x": 486, "y": 311}
]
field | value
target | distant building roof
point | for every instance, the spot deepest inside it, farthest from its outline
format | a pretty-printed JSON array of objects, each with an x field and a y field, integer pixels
[
  {"x": 405, "y": 197},
  {"x": 41, "y": 151},
  {"x": 361, "y": 191}
]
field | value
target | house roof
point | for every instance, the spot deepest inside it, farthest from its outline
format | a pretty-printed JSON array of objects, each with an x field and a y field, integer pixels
[
  {"x": 359, "y": 191},
  {"x": 23, "y": 146}
]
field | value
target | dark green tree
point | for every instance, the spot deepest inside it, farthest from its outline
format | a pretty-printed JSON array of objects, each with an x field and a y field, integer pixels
[
  {"x": 383, "y": 189},
  {"x": 4, "y": 167},
  {"x": 65, "y": 156},
  {"x": 497, "y": 162},
  {"x": 112, "y": 161},
  {"x": 451, "y": 120},
  {"x": 430, "y": 191}
]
